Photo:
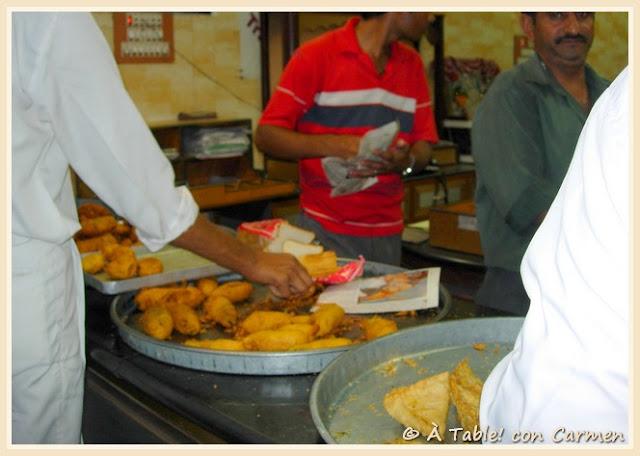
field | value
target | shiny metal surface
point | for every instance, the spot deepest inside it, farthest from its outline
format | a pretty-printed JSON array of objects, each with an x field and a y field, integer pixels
[
  {"x": 123, "y": 314},
  {"x": 347, "y": 397}
]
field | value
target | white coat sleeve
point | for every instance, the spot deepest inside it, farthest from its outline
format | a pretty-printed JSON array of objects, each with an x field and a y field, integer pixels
[{"x": 103, "y": 135}]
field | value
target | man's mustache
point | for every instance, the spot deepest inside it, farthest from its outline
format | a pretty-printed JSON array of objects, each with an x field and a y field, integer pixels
[{"x": 576, "y": 37}]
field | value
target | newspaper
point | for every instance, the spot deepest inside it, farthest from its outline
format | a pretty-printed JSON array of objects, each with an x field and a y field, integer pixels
[
  {"x": 340, "y": 170},
  {"x": 403, "y": 291}
]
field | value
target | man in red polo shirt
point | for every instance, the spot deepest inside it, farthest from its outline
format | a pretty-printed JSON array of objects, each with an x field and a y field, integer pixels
[{"x": 334, "y": 89}]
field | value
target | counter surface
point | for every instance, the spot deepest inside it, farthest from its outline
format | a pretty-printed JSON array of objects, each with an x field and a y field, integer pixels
[{"x": 131, "y": 398}]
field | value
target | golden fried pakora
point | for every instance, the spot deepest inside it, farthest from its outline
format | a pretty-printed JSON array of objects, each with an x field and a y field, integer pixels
[
  {"x": 95, "y": 243},
  {"x": 157, "y": 322},
  {"x": 260, "y": 320},
  {"x": 96, "y": 226},
  {"x": 185, "y": 319},
  {"x": 113, "y": 252},
  {"x": 150, "y": 297},
  {"x": 329, "y": 342},
  {"x": 122, "y": 228},
  {"x": 328, "y": 317},
  {"x": 93, "y": 263},
  {"x": 308, "y": 329},
  {"x": 376, "y": 326},
  {"x": 207, "y": 285},
  {"x": 92, "y": 210},
  {"x": 123, "y": 267},
  {"x": 274, "y": 340},
  {"x": 236, "y": 291},
  {"x": 148, "y": 266},
  {"x": 302, "y": 319},
  {"x": 219, "y": 309},
  {"x": 216, "y": 344}
]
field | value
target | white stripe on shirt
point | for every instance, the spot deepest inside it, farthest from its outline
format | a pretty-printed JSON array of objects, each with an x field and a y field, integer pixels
[
  {"x": 366, "y": 97},
  {"x": 346, "y": 222}
]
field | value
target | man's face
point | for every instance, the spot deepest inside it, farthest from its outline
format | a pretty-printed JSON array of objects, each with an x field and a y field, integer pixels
[
  {"x": 561, "y": 37},
  {"x": 413, "y": 25}
]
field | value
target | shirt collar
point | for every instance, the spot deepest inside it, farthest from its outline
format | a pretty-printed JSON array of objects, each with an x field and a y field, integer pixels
[
  {"x": 538, "y": 72},
  {"x": 348, "y": 40}
]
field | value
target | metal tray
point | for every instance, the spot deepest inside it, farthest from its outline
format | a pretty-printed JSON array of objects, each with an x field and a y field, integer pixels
[
  {"x": 179, "y": 265},
  {"x": 124, "y": 315},
  {"x": 347, "y": 397}
]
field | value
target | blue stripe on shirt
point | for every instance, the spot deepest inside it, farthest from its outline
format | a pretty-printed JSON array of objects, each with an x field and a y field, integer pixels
[{"x": 358, "y": 116}]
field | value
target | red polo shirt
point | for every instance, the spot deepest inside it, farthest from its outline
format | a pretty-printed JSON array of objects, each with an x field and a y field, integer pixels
[{"x": 330, "y": 86}]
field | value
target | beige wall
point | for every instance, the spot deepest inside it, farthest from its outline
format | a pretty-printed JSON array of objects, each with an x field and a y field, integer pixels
[
  {"x": 204, "y": 43},
  {"x": 210, "y": 44},
  {"x": 490, "y": 35}
]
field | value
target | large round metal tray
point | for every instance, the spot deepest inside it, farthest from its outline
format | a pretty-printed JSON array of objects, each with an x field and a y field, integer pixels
[
  {"x": 347, "y": 397},
  {"x": 124, "y": 314}
]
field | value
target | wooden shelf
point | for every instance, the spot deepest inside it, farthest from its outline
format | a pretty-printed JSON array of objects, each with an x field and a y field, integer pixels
[{"x": 215, "y": 196}]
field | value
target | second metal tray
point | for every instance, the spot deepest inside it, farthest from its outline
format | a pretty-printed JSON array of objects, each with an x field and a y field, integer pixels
[{"x": 347, "y": 397}]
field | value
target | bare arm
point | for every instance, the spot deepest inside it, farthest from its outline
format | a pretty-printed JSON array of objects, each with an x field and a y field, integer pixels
[
  {"x": 281, "y": 272},
  {"x": 279, "y": 142}
]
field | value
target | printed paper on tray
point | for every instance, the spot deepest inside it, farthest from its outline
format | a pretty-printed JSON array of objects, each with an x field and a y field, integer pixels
[{"x": 408, "y": 290}]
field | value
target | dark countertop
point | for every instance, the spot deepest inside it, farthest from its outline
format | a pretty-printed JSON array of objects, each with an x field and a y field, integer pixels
[{"x": 131, "y": 398}]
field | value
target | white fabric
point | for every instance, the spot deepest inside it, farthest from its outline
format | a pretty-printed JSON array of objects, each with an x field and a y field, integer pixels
[
  {"x": 569, "y": 365},
  {"x": 70, "y": 109}
]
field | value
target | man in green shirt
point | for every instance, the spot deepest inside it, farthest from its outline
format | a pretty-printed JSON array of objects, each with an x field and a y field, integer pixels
[{"x": 523, "y": 137}]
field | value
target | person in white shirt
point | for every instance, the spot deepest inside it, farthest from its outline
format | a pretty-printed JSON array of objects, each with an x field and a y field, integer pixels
[
  {"x": 568, "y": 371},
  {"x": 71, "y": 110}
]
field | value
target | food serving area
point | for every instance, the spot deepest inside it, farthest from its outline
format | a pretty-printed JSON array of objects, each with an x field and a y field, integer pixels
[{"x": 132, "y": 398}]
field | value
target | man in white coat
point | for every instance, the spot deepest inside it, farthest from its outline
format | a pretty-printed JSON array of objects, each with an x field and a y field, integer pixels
[
  {"x": 70, "y": 109},
  {"x": 568, "y": 372}
]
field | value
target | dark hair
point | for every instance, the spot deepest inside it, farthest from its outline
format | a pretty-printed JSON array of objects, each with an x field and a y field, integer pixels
[
  {"x": 369, "y": 15},
  {"x": 532, "y": 15}
]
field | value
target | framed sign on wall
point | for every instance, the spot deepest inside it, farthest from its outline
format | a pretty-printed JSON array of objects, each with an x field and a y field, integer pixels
[{"x": 145, "y": 37}]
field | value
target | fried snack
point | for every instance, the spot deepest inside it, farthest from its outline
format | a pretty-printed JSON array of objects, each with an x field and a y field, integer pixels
[
  {"x": 219, "y": 309},
  {"x": 236, "y": 291},
  {"x": 216, "y": 344},
  {"x": 157, "y": 322},
  {"x": 327, "y": 317},
  {"x": 377, "y": 327},
  {"x": 92, "y": 210},
  {"x": 302, "y": 319},
  {"x": 148, "y": 266},
  {"x": 112, "y": 252},
  {"x": 261, "y": 320},
  {"x": 97, "y": 226},
  {"x": 466, "y": 389},
  {"x": 207, "y": 285},
  {"x": 126, "y": 242},
  {"x": 421, "y": 404},
  {"x": 190, "y": 296},
  {"x": 308, "y": 329},
  {"x": 161, "y": 296},
  {"x": 320, "y": 264},
  {"x": 122, "y": 228},
  {"x": 329, "y": 342},
  {"x": 123, "y": 267},
  {"x": 95, "y": 243},
  {"x": 185, "y": 319},
  {"x": 274, "y": 340},
  {"x": 93, "y": 263},
  {"x": 151, "y": 297}
]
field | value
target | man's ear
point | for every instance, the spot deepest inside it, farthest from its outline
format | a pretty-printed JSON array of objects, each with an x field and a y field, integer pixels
[{"x": 528, "y": 26}]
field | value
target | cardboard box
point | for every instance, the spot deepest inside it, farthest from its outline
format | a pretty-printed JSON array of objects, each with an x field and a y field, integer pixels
[{"x": 455, "y": 227}]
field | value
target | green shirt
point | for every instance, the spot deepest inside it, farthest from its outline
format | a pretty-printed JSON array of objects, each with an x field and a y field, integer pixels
[{"x": 523, "y": 137}]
